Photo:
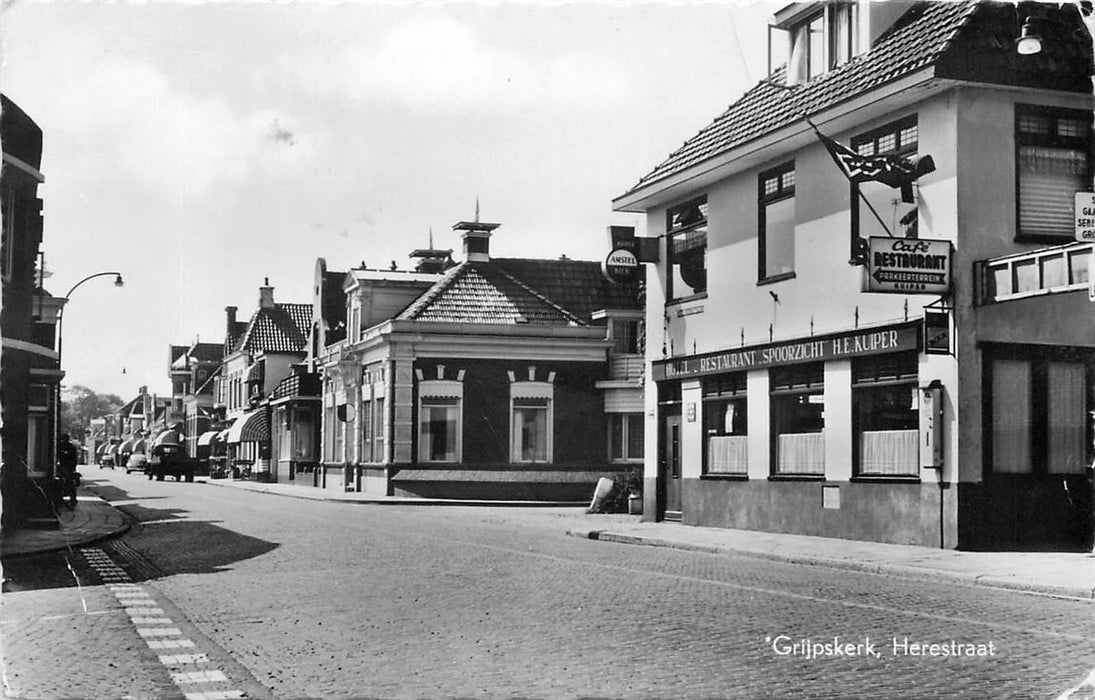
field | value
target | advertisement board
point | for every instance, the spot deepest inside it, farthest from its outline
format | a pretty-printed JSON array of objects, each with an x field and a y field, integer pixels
[{"x": 909, "y": 266}]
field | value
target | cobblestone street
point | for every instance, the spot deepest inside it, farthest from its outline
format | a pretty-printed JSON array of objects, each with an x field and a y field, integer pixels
[{"x": 291, "y": 598}]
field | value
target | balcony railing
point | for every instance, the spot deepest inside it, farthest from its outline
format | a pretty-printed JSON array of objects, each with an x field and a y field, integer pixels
[{"x": 1048, "y": 271}]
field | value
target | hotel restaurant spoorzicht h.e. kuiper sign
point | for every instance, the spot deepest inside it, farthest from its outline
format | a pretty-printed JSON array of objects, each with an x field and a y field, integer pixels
[
  {"x": 908, "y": 266},
  {"x": 860, "y": 343}
]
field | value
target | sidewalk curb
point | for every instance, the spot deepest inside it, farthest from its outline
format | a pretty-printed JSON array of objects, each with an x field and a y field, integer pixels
[
  {"x": 79, "y": 542},
  {"x": 397, "y": 501},
  {"x": 884, "y": 569}
]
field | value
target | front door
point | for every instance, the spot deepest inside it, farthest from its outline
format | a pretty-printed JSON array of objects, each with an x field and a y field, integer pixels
[{"x": 671, "y": 471}]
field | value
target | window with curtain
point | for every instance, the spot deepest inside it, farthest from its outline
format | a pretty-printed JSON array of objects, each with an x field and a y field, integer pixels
[
  {"x": 1040, "y": 415},
  {"x": 886, "y": 415},
  {"x": 686, "y": 242},
  {"x": 531, "y": 421},
  {"x": 1066, "y": 393},
  {"x": 797, "y": 406},
  {"x": 439, "y": 421},
  {"x": 1053, "y": 162},
  {"x": 725, "y": 425},
  {"x": 776, "y": 244}
]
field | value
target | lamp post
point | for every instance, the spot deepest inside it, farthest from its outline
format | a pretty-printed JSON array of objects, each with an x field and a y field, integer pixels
[{"x": 118, "y": 282}]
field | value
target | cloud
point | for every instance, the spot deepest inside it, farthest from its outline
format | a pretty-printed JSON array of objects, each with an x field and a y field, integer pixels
[
  {"x": 437, "y": 65},
  {"x": 163, "y": 135}
]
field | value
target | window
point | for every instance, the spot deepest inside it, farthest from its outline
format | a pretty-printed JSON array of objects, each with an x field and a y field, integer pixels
[
  {"x": 798, "y": 420},
  {"x": 725, "y": 428},
  {"x": 821, "y": 42},
  {"x": 439, "y": 421},
  {"x": 626, "y": 336},
  {"x": 878, "y": 209},
  {"x": 1053, "y": 154},
  {"x": 686, "y": 243},
  {"x": 531, "y": 421},
  {"x": 379, "y": 425},
  {"x": 38, "y": 444},
  {"x": 366, "y": 423},
  {"x": 625, "y": 432},
  {"x": 777, "y": 223},
  {"x": 886, "y": 415},
  {"x": 1039, "y": 416}
]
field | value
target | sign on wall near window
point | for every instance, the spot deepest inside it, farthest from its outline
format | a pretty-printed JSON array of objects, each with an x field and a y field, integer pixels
[{"x": 908, "y": 266}]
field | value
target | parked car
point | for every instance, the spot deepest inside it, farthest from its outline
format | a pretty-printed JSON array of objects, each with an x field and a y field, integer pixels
[
  {"x": 137, "y": 462},
  {"x": 170, "y": 460}
]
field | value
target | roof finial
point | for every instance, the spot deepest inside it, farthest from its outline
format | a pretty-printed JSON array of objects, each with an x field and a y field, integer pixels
[
  {"x": 477, "y": 209},
  {"x": 431, "y": 237},
  {"x": 266, "y": 281}
]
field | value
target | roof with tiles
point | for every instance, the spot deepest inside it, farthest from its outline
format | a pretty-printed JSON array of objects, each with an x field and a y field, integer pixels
[
  {"x": 281, "y": 328},
  {"x": 484, "y": 293},
  {"x": 578, "y": 286},
  {"x": 968, "y": 40}
]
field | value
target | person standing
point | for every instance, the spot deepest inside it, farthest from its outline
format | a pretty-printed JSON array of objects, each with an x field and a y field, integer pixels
[{"x": 67, "y": 458}]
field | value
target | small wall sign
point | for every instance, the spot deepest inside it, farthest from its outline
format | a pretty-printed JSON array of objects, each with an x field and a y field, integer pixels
[{"x": 1085, "y": 216}]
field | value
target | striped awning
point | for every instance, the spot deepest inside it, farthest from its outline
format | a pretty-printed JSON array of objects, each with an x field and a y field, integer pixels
[
  {"x": 168, "y": 437},
  {"x": 251, "y": 427},
  {"x": 208, "y": 438}
]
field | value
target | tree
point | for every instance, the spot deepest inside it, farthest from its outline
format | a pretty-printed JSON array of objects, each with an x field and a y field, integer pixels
[{"x": 80, "y": 405}]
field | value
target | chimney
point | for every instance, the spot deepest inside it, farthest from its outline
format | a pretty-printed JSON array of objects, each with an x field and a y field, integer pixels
[
  {"x": 432, "y": 260},
  {"x": 266, "y": 295},
  {"x": 476, "y": 237},
  {"x": 230, "y": 321}
]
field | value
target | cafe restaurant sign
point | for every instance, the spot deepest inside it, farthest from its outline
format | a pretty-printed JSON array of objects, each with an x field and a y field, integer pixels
[
  {"x": 816, "y": 349},
  {"x": 908, "y": 266}
]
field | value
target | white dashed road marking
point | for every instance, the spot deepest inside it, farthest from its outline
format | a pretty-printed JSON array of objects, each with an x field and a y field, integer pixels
[{"x": 143, "y": 612}]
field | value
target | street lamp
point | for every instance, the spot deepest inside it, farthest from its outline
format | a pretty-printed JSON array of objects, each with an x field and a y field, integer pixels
[{"x": 118, "y": 282}]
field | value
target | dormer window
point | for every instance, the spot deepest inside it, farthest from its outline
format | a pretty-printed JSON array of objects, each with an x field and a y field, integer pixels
[{"x": 820, "y": 37}]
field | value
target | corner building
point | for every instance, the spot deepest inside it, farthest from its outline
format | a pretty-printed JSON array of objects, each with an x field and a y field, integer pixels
[{"x": 907, "y": 361}]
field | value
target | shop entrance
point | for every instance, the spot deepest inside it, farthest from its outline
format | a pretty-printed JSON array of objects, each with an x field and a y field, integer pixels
[{"x": 671, "y": 467}]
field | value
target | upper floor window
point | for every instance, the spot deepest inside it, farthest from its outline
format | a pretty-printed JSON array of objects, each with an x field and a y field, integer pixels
[
  {"x": 776, "y": 243},
  {"x": 878, "y": 209},
  {"x": 626, "y": 335},
  {"x": 1053, "y": 162},
  {"x": 820, "y": 41},
  {"x": 686, "y": 245}
]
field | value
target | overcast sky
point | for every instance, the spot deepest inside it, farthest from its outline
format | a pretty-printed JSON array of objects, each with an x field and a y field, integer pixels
[{"x": 198, "y": 148}]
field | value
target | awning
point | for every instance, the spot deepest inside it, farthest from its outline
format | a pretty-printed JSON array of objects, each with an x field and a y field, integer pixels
[
  {"x": 126, "y": 447},
  {"x": 140, "y": 445},
  {"x": 251, "y": 427},
  {"x": 208, "y": 438},
  {"x": 168, "y": 437}
]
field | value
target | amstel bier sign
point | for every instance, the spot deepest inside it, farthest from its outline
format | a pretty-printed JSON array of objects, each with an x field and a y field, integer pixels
[{"x": 909, "y": 266}]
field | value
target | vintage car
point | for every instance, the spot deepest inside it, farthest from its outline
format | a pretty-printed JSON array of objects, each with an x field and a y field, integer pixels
[{"x": 169, "y": 459}]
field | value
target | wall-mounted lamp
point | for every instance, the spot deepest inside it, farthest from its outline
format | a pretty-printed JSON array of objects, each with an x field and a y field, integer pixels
[{"x": 1030, "y": 39}]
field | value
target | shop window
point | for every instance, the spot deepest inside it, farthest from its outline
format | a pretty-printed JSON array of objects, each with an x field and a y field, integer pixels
[
  {"x": 798, "y": 420},
  {"x": 686, "y": 243},
  {"x": 1039, "y": 416},
  {"x": 379, "y": 435},
  {"x": 886, "y": 415},
  {"x": 895, "y": 217},
  {"x": 725, "y": 425},
  {"x": 1053, "y": 162},
  {"x": 531, "y": 421},
  {"x": 776, "y": 244},
  {"x": 440, "y": 421},
  {"x": 625, "y": 442}
]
